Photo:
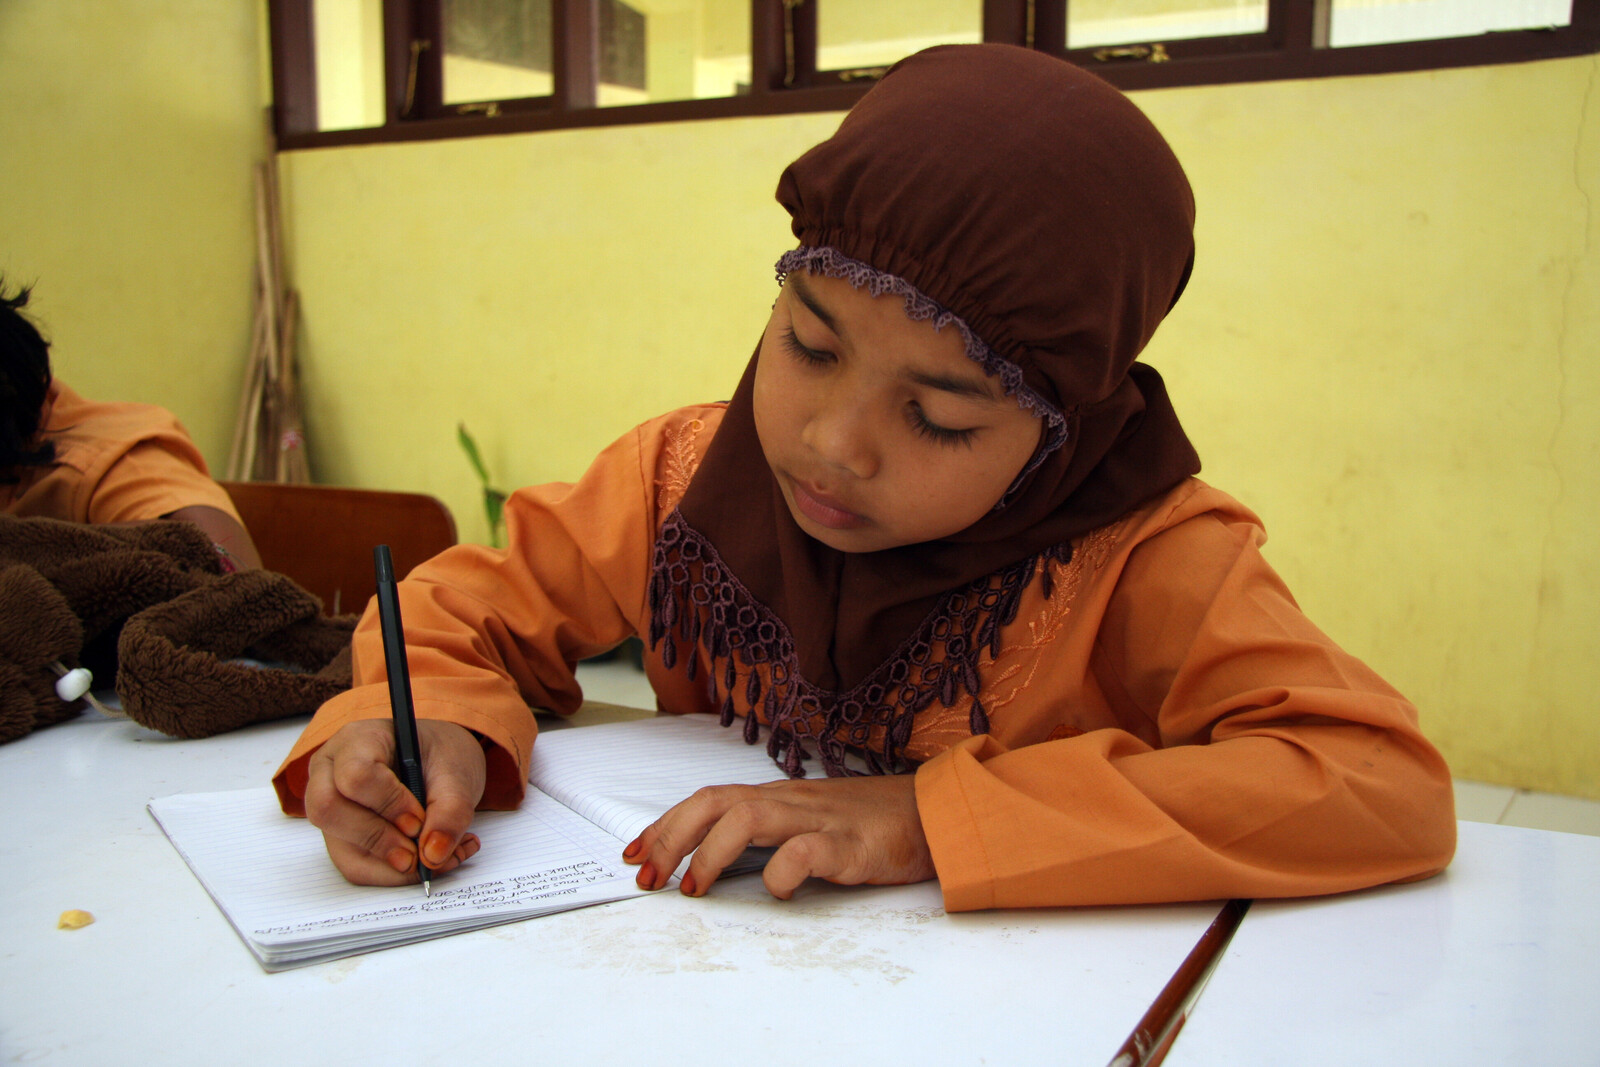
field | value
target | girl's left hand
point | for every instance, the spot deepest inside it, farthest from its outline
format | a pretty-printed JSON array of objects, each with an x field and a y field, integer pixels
[{"x": 845, "y": 830}]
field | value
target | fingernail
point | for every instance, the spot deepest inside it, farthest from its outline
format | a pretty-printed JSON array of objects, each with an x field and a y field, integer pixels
[
  {"x": 647, "y": 876},
  {"x": 400, "y": 859},
  {"x": 436, "y": 850},
  {"x": 409, "y": 825},
  {"x": 687, "y": 885},
  {"x": 632, "y": 850}
]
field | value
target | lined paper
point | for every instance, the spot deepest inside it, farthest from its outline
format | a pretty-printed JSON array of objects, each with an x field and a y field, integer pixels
[
  {"x": 595, "y": 789},
  {"x": 621, "y": 776},
  {"x": 271, "y": 877}
]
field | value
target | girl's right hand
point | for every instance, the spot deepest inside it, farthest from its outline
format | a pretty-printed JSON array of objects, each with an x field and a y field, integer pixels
[{"x": 372, "y": 824}]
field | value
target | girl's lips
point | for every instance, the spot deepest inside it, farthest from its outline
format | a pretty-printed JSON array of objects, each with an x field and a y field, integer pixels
[{"x": 823, "y": 511}]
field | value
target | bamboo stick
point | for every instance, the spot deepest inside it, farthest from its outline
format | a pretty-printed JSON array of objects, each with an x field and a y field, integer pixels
[
  {"x": 242, "y": 453},
  {"x": 265, "y": 257},
  {"x": 299, "y": 459},
  {"x": 269, "y": 433}
]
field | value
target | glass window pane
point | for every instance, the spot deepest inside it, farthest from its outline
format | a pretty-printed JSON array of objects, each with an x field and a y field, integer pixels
[
  {"x": 673, "y": 50},
  {"x": 496, "y": 49},
  {"x": 649, "y": 50},
  {"x": 1096, "y": 23},
  {"x": 1356, "y": 22},
  {"x": 348, "y": 40},
  {"x": 856, "y": 34}
]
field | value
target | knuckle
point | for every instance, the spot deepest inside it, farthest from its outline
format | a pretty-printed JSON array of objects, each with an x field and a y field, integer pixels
[
  {"x": 747, "y": 817},
  {"x": 320, "y": 806},
  {"x": 803, "y": 851},
  {"x": 358, "y": 777},
  {"x": 450, "y": 822},
  {"x": 356, "y": 868},
  {"x": 317, "y": 813},
  {"x": 820, "y": 855},
  {"x": 374, "y": 786},
  {"x": 712, "y": 796},
  {"x": 665, "y": 838},
  {"x": 449, "y": 797},
  {"x": 372, "y": 839}
]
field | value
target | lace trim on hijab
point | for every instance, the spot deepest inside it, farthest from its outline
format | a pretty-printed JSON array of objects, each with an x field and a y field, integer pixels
[
  {"x": 921, "y": 307},
  {"x": 696, "y": 602}
]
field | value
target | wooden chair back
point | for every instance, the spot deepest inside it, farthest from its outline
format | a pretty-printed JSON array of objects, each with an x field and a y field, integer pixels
[{"x": 323, "y": 536}]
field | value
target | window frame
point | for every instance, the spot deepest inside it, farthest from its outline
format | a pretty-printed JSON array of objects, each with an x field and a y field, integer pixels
[{"x": 785, "y": 80}]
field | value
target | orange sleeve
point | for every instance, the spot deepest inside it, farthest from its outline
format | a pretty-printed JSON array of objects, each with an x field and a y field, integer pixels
[
  {"x": 491, "y": 633},
  {"x": 1254, "y": 757},
  {"x": 153, "y": 478},
  {"x": 116, "y": 462}
]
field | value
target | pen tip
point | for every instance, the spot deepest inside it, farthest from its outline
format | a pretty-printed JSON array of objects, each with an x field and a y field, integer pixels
[{"x": 427, "y": 888}]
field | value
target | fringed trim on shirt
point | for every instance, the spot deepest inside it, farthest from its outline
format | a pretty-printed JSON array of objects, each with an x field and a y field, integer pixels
[
  {"x": 919, "y": 307},
  {"x": 697, "y": 603}
]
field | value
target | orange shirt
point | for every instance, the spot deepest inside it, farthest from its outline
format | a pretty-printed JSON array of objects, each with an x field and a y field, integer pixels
[
  {"x": 1165, "y": 726},
  {"x": 115, "y": 462}
]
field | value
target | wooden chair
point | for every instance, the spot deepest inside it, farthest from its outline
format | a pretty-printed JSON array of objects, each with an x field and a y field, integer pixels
[{"x": 323, "y": 536}]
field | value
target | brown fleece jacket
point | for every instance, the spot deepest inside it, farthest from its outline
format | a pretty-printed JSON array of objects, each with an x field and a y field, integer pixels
[{"x": 149, "y": 605}]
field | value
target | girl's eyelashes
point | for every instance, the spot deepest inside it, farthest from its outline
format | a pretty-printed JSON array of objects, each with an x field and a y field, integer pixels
[
  {"x": 920, "y": 422},
  {"x": 938, "y": 434},
  {"x": 800, "y": 351}
]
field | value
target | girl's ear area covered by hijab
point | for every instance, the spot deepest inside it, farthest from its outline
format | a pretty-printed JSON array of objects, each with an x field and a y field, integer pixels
[{"x": 1036, "y": 207}]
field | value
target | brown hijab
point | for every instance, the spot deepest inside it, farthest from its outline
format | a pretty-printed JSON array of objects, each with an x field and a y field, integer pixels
[{"x": 1031, "y": 206}]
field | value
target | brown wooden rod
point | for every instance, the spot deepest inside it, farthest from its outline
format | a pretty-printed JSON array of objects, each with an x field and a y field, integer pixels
[{"x": 1148, "y": 1044}]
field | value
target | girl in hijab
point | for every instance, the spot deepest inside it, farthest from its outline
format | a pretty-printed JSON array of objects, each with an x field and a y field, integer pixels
[{"x": 943, "y": 553}]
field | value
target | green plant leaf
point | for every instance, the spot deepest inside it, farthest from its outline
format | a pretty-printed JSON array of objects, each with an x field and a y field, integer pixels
[
  {"x": 494, "y": 506},
  {"x": 470, "y": 447},
  {"x": 494, "y": 500}
]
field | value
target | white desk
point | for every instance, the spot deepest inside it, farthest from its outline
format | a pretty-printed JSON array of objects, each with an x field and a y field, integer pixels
[
  {"x": 837, "y": 975},
  {"x": 1495, "y": 962}
]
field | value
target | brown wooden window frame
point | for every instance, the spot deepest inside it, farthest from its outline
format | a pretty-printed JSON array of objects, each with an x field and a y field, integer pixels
[{"x": 785, "y": 78}]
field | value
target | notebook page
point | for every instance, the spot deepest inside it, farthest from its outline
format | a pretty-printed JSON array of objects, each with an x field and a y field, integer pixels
[
  {"x": 271, "y": 876},
  {"x": 622, "y": 776}
]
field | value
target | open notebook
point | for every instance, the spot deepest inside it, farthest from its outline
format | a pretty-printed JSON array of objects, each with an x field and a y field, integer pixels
[{"x": 594, "y": 789}]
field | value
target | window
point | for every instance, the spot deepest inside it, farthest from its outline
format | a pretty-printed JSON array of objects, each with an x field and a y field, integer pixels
[
  {"x": 867, "y": 37},
  {"x": 1361, "y": 22},
  {"x": 1107, "y": 23},
  {"x": 502, "y": 50},
  {"x": 352, "y": 71}
]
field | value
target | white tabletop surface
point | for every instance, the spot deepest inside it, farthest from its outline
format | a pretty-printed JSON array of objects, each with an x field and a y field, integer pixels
[
  {"x": 1495, "y": 962},
  {"x": 864, "y": 975}
]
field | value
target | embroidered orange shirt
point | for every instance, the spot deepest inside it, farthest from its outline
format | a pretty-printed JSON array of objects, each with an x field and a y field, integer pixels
[{"x": 1165, "y": 726}]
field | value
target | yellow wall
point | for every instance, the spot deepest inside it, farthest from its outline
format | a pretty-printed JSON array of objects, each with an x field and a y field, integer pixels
[
  {"x": 1390, "y": 348},
  {"x": 128, "y": 130},
  {"x": 550, "y": 290}
]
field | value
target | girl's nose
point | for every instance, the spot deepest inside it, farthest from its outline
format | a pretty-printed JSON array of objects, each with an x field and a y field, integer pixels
[{"x": 842, "y": 434}]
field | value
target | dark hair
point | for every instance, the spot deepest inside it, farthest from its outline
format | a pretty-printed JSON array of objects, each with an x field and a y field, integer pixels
[{"x": 24, "y": 380}]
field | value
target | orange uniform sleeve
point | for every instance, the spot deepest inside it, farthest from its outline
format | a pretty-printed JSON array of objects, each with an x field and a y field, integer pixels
[
  {"x": 152, "y": 479},
  {"x": 115, "y": 462},
  {"x": 490, "y": 633},
  {"x": 1257, "y": 759}
]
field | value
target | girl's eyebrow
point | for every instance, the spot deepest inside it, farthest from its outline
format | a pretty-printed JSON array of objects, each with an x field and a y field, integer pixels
[
  {"x": 967, "y": 388},
  {"x": 817, "y": 309}
]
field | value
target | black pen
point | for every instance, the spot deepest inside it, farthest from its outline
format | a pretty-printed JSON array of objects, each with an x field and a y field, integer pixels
[{"x": 408, "y": 753}]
